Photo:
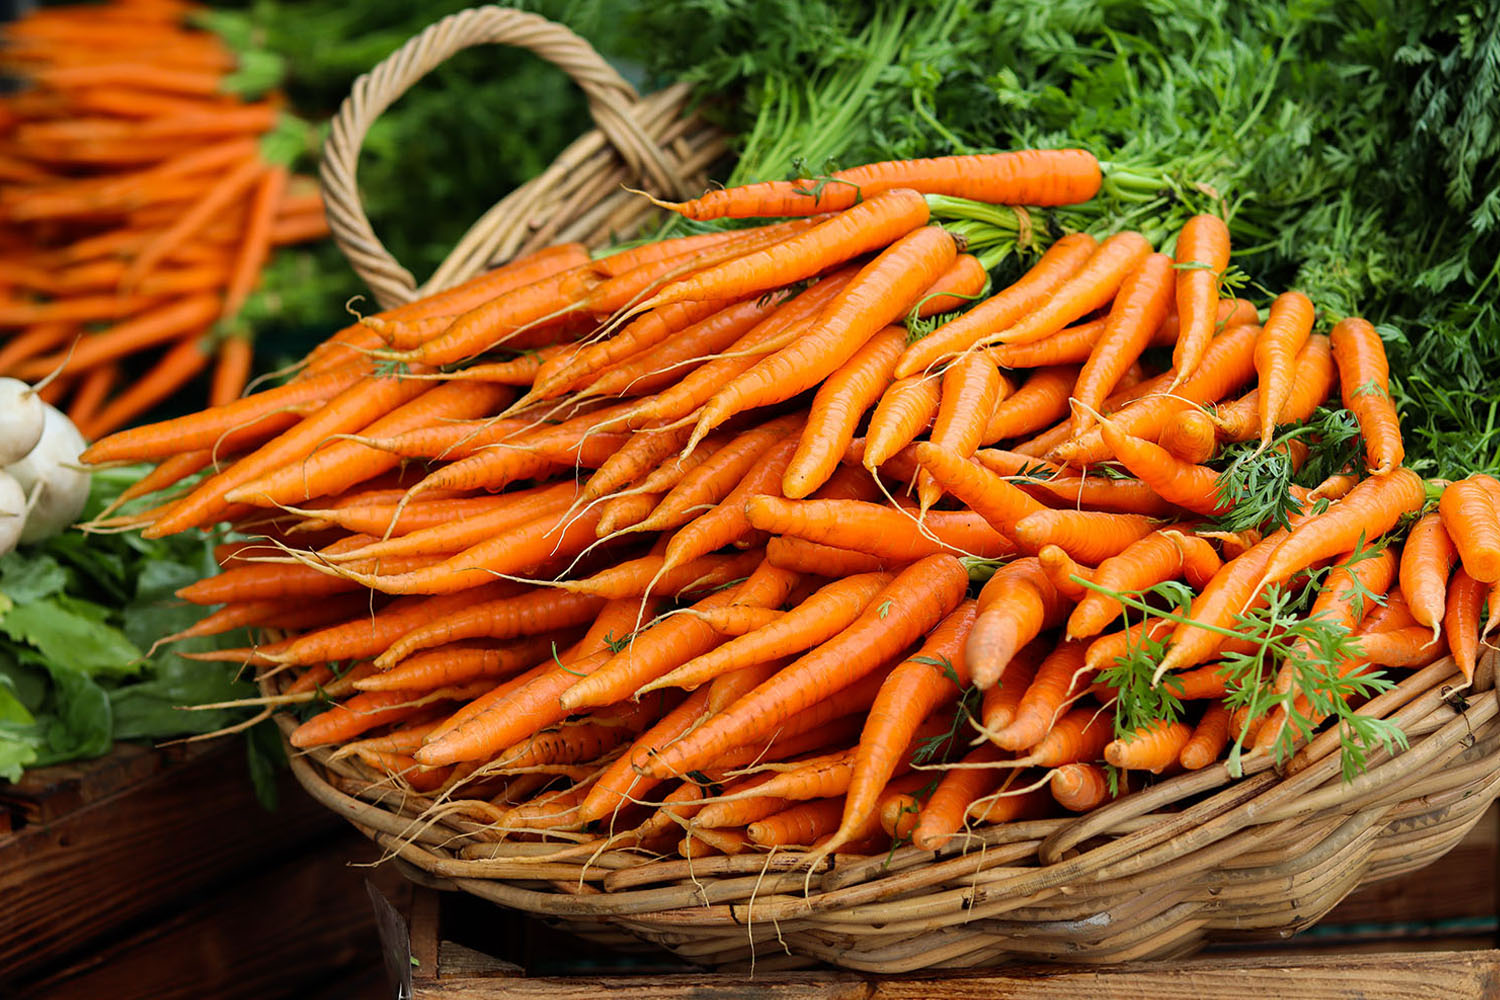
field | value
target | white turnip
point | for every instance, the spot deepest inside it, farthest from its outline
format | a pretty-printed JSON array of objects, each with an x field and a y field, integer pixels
[
  {"x": 22, "y": 416},
  {"x": 12, "y": 513},
  {"x": 56, "y": 488}
]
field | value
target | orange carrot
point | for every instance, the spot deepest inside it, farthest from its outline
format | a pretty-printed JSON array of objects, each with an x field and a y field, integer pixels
[
  {"x": 1202, "y": 257},
  {"x": 1079, "y": 787},
  {"x": 1466, "y": 600},
  {"x": 1093, "y": 285},
  {"x": 1058, "y": 681},
  {"x": 943, "y": 815},
  {"x": 1086, "y": 535},
  {"x": 996, "y": 500},
  {"x": 1014, "y": 606},
  {"x": 1061, "y": 569},
  {"x": 1191, "y": 437},
  {"x": 1472, "y": 518},
  {"x": 1209, "y": 738},
  {"x": 1150, "y": 748},
  {"x": 1285, "y": 332},
  {"x": 1139, "y": 308},
  {"x": 998, "y": 709},
  {"x": 883, "y": 532},
  {"x": 971, "y": 387},
  {"x": 1144, "y": 563},
  {"x": 1039, "y": 403},
  {"x": 1427, "y": 560},
  {"x": 1364, "y": 383}
]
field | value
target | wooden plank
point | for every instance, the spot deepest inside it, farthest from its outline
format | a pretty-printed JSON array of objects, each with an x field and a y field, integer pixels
[
  {"x": 146, "y": 848},
  {"x": 46, "y": 793},
  {"x": 297, "y": 928},
  {"x": 1387, "y": 977}
]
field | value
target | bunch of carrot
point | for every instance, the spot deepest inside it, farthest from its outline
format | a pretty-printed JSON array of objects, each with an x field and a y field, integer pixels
[
  {"x": 673, "y": 548},
  {"x": 142, "y": 198}
]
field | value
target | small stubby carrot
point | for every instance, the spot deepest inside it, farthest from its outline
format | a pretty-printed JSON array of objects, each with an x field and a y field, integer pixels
[
  {"x": 1286, "y": 330},
  {"x": 1461, "y": 620},
  {"x": 1060, "y": 678},
  {"x": 1020, "y": 177},
  {"x": 1370, "y": 510},
  {"x": 887, "y": 533},
  {"x": 821, "y": 617},
  {"x": 1409, "y": 647},
  {"x": 836, "y": 410},
  {"x": 1061, "y": 568},
  {"x": 1364, "y": 385},
  {"x": 998, "y": 708},
  {"x": 970, "y": 388},
  {"x": 905, "y": 410},
  {"x": 1080, "y": 736},
  {"x": 1202, "y": 257},
  {"x": 917, "y": 599},
  {"x": 958, "y": 287},
  {"x": 1427, "y": 560},
  {"x": 997, "y": 501},
  {"x": 900, "y": 715},
  {"x": 1039, "y": 403},
  {"x": 1472, "y": 518},
  {"x": 1090, "y": 287},
  {"x": 1088, "y": 536},
  {"x": 1208, "y": 740},
  {"x": 1150, "y": 748},
  {"x": 1146, "y": 562},
  {"x": 1061, "y": 261},
  {"x": 943, "y": 814},
  {"x": 1191, "y": 437},
  {"x": 1015, "y": 605},
  {"x": 1079, "y": 787},
  {"x": 1138, "y": 310}
]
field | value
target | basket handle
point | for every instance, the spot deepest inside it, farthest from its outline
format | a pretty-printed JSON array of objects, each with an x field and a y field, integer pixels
[{"x": 612, "y": 102}]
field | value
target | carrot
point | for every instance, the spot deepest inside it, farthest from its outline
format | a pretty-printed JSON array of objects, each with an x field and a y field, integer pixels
[
  {"x": 801, "y": 556},
  {"x": 741, "y": 619},
  {"x": 1427, "y": 560},
  {"x": 821, "y": 617},
  {"x": 460, "y": 664},
  {"x": 257, "y": 243},
  {"x": 879, "y": 294},
  {"x": 994, "y": 499},
  {"x": 1231, "y": 590},
  {"x": 1061, "y": 569},
  {"x": 870, "y": 225},
  {"x": 904, "y": 411},
  {"x": 1472, "y": 518},
  {"x": 1150, "y": 748},
  {"x": 1023, "y": 177},
  {"x": 588, "y": 739},
  {"x": 726, "y": 523},
  {"x": 1079, "y": 787},
  {"x": 1364, "y": 384},
  {"x": 1210, "y": 737},
  {"x": 92, "y": 389},
  {"x": 1057, "y": 265},
  {"x": 971, "y": 387},
  {"x": 224, "y": 191},
  {"x": 1370, "y": 510},
  {"x": 1285, "y": 332},
  {"x": 1466, "y": 600},
  {"x": 716, "y": 478},
  {"x": 837, "y": 408},
  {"x": 504, "y": 618},
  {"x": 365, "y": 711},
  {"x": 911, "y": 604},
  {"x": 958, "y": 287},
  {"x": 1014, "y": 606},
  {"x": 1144, "y": 563},
  {"x": 943, "y": 814},
  {"x": 672, "y": 642},
  {"x": 799, "y": 825},
  {"x": 998, "y": 708},
  {"x": 1409, "y": 647},
  {"x": 1039, "y": 403},
  {"x": 634, "y": 577},
  {"x": 620, "y": 781},
  {"x": 1192, "y": 437},
  {"x": 170, "y": 373},
  {"x": 1073, "y": 344},
  {"x": 232, "y": 369},
  {"x": 1093, "y": 285},
  {"x": 1086, "y": 535},
  {"x": 1202, "y": 257},
  {"x": 879, "y": 531},
  {"x": 1051, "y": 485},
  {"x": 1058, "y": 681},
  {"x": 164, "y": 324},
  {"x": 895, "y": 728},
  {"x": 1139, "y": 308}
]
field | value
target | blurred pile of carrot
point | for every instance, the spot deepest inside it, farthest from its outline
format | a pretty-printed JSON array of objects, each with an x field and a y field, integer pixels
[{"x": 144, "y": 192}]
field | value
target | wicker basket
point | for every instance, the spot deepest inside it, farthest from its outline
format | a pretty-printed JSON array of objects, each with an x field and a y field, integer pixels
[{"x": 1203, "y": 856}]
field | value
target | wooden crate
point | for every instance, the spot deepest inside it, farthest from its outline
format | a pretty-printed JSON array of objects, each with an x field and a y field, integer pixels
[
  {"x": 156, "y": 873},
  {"x": 1429, "y": 934}
]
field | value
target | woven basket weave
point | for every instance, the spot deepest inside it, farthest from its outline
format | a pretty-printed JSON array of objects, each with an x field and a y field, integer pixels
[{"x": 1157, "y": 874}]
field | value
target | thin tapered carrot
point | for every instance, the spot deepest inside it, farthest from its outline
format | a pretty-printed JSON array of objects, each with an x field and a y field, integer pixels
[
  {"x": 92, "y": 390},
  {"x": 905, "y": 410},
  {"x": 1202, "y": 257},
  {"x": 1039, "y": 403},
  {"x": 1370, "y": 510},
  {"x": 1427, "y": 560},
  {"x": 622, "y": 780},
  {"x": 1061, "y": 569},
  {"x": 1225, "y": 596},
  {"x": 1138, "y": 310},
  {"x": 1283, "y": 336},
  {"x": 1472, "y": 518},
  {"x": 1091, "y": 286},
  {"x": 1191, "y": 437},
  {"x": 1210, "y": 737},
  {"x": 1022, "y": 177},
  {"x": 943, "y": 814},
  {"x": 519, "y": 371},
  {"x": 1228, "y": 364},
  {"x": 1195, "y": 487},
  {"x": 998, "y": 708},
  {"x": 1088, "y": 536},
  {"x": 1149, "y": 748},
  {"x": 369, "y": 709},
  {"x": 958, "y": 287},
  {"x": 1014, "y": 606},
  {"x": 1080, "y": 736},
  {"x": 741, "y": 619},
  {"x": 370, "y": 513},
  {"x": 1057, "y": 265},
  {"x": 589, "y": 739},
  {"x": 743, "y": 812},
  {"x": 1054, "y": 486},
  {"x": 674, "y": 641},
  {"x": 1461, "y": 621},
  {"x": 836, "y": 410},
  {"x": 878, "y": 295},
  {"x": 713, "y": 480},
  {"x": 883, "y": 532},
  {"x": 294, "y": 615},
  {"x": 911, "y": 604},
  {"x": 460, "y": 664},
  {"x": 895, "y": 726},
  {"x": 344, "y": 464},
  {"x": 256, "y": 247},
  {"x": 355, "y": 407},
  {"x": 970, "y": 389},
  {"x": 997, "y": 501},
  {"x": 1144, "y": 563},
  {"x": 35, "y": 340},
  {"x": 870, "y": 225},
  {"x": 634, "y": 577},
  {"x": 1364, "y": 384},
  {"x": 232, "y": 366},
  {"x": 1073, "y": 344},
  {"x": 511, "y": 511},
  {"x": 230, "y": 186},
  {"x": 171, "y": 372},
  {"x": 164, "y": 324},
  {"x": 1057, "y": 681},
  {"x": 821, "y": 617},
  {"x": 541, "y": 610},
  {"x": 624, "y": 511},
  {"x": 727, "y": 523}
]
